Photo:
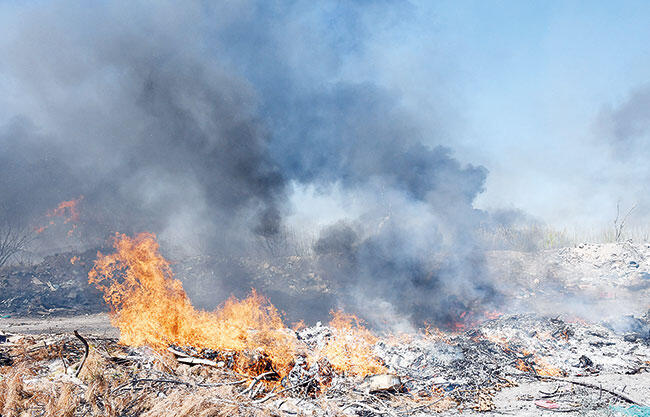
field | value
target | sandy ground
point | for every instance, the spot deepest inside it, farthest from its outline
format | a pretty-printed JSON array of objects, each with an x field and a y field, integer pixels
[
  {"x": 95, "y": 324},
  {"x": 518, "y": 400}
]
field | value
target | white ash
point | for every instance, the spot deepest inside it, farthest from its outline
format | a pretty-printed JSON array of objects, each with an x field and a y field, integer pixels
[
  {"x": 562, "y": 344},
  {"x": 315, "y": 337},
  {"x": 418, "y": 358}
]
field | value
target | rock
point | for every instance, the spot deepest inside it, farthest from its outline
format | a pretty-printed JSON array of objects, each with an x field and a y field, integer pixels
[
  {"x": 632, "y": 337},
  {"x": 381, "y": 382},
  {"x": 585, "y": 362},
  {"x": 5, "y": 359}
]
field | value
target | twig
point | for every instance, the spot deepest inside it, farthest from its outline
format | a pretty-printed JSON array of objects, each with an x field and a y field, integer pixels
[
  {"x": 177, "y": 382},
  {"x": 223, "y": 384},
  {"x": 588, "y": 385},
  {"x": 558, "y": 410},
  {"x": 86, "y": 352},
  {"x": 190, "y": 360},
  {"x": 183, "y": 357},
  {"x": 65, "y": 365},
  {"x": 253, "y": 393},
  {"x": 362, "y": 405},
  {"x": 256, "y": 380},
  {"x": 618, "y": 226},
  {"x": 386, "y": 407},
  {"x": 275, "y": 394},
  {"x": 178, "y": 353},
  {"x": 164, "y": 381}
]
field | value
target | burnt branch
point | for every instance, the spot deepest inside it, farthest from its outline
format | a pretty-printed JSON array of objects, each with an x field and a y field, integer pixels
[{"x": 86, "y": 352}]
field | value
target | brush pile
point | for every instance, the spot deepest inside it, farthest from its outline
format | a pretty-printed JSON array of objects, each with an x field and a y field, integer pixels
[{"x": 55, "y": 375}]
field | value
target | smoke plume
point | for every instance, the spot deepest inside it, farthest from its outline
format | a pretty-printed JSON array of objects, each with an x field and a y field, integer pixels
[{"x": 198, "y": 121}]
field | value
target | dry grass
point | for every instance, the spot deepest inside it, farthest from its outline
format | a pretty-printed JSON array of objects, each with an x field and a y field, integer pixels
[
  {"x": 13, "y": 397},
  {"x": 533, "y": 237},
  {"x": 64, "y": 404},
  {"x": 94, "y": 368},
  {"x": 185, "y": 404}
]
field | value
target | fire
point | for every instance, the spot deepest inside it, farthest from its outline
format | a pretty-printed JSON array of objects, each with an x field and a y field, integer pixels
[
  {"x": 74, "y": 260},
  {"x": 69, "y": 210},
  {"x": 540, "y": 366},
  {"x": 350, "y": 348},
  {"x": 492, "y": 315},
  {"x": 544, "y": 369},
  {"x": 151, "y": 308}
]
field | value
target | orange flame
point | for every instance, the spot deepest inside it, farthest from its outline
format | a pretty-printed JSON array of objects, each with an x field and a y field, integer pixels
[
  {"x": 150, "y": 307},
  {"x": 69, "y": 210},
  {"x": 541, "y": 367},
  {"x": 350, "y": 349}
]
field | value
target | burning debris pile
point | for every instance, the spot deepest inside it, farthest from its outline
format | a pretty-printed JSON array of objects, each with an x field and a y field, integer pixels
[
  {"x": 342, "y": 370},
  {"x": 173, "y": 359}
]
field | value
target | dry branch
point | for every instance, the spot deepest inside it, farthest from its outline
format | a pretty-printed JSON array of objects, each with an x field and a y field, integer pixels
[{"x": 588, "y": 385}]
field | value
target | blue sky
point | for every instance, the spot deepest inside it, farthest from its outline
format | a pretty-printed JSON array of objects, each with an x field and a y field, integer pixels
[{"x": 523, "y": 84}]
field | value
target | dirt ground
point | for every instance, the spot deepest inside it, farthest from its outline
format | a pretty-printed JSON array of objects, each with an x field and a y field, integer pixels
[{"x": 92, "y": 324}]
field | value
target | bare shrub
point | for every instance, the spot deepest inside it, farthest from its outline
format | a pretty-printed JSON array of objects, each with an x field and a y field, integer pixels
[
  {"x": 528, "y": 238},
  {"x": 619, "y": 223},
  {"x": 13, "y": 239}
]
